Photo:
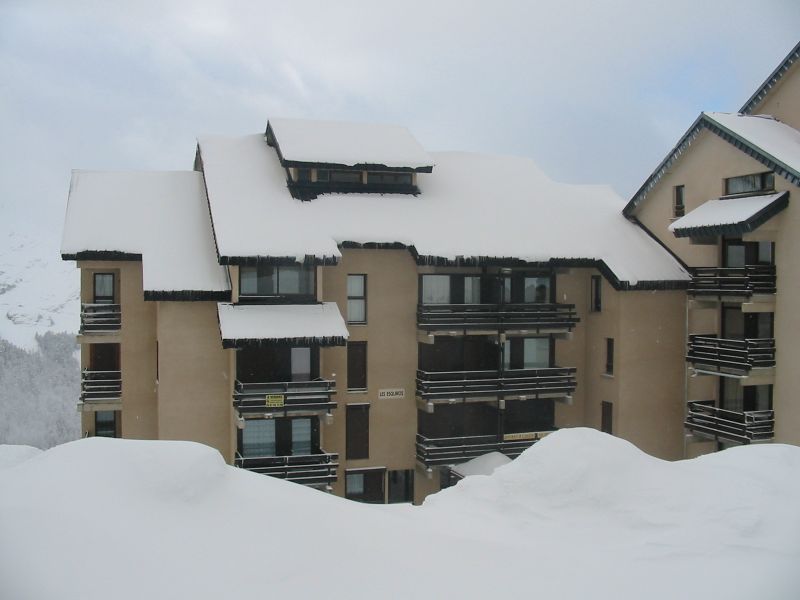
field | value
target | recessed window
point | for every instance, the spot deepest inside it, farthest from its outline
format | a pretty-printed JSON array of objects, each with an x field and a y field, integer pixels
[
  {"x": 537, "y": 290},
  {"x": 296, "y": 436},
  {"x": 356, "y": 298},
  {"x": 345, "y": 176},
  {"x": 269, "y": 280},
  {"x": 596, "y": 301},
  {"x": 105, "y": 423},
  {"x": 389, "y": 178},
  {"x": 678, "y": 208},
  {"x": 750, "y": 183},
  {"x": 104, "y": 288},
  {"x": 607, "y": 417},
  {"x": 436, "y": 289},
  {"x": 357, "y": 365},
  {"x": 609, "y": 356},
  {"x": 526, "y": 353},
  {"x": 357, "y": 431},
  {"x": 365, "y": 486},
  {"x": 472, "y": 290},
  {"x": 401, "y": 486}
]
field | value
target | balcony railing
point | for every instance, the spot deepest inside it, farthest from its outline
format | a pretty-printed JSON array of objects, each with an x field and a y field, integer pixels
[
  {"x": 526, "y": 383},
  {"x": 733, "y": 356},
  {"x": 100, "y": 318},
  {"x": 446, "y": 451},
  {"x": 101, "y": 386},
  {"x": 310, "y": 469},
  {"x": 550, "y": 317},
  {"x": 724, "y": 281},
  {"x": 283, "y": 397},
  {"x": 726, "y": 425}
]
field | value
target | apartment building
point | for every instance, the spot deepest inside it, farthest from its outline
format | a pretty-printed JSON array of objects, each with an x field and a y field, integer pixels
[{"x": 721, "y": 201}]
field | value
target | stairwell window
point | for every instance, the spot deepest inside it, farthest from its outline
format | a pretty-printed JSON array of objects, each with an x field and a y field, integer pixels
[
  {"x": 357, "y": 299},
  {"x": 678, "y": 208},
  {"x": 744, "y": 184},
  {"x": 609, "y": 356}
]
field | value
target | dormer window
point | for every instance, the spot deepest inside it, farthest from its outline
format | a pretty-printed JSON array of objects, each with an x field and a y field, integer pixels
[{"x": 270, "y": 283}]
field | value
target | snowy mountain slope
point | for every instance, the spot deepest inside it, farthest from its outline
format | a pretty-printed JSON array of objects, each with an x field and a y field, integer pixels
[
  {"x": 38, "y": 291},
  {"x": 579, "y": 515}
]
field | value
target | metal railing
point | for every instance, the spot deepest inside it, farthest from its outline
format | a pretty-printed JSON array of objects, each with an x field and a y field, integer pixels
[
  {"x": 524, "y": 383},
  {"x": 100, "y": 318},
  {"x": 284, "y": 396},
  {"x": 736, "y": 356},
  {"x": 308, "y": 469},
  {"x": 551, "y": 317},
  {"x": 446, "y": 451},
  {"x": 727, "y": 281},
  {"x": 727, "y": 425},
  {"x": 101, "y": 386}
]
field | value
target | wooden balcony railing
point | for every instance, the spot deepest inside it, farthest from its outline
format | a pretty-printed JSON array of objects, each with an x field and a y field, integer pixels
[
  {"x": 101, "y": 386},
  {"x": 524, "y": 383},
  {"x": 734, "y": 356},
  {"x": 724, "y": 281},
  {"x": 284, "y": 397},
  {"x": 310, "y": 469},
  {"x": 549, "y": 317},
  {"x": 100, "y": 318},
  {"x": 446, "y": 451},
  {"x": 726, "y": 425}
]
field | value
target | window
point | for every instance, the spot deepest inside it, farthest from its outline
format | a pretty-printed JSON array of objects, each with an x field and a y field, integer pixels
[
  {"x": 357, "y": 366},
  {"x": 323, "y": 175},
  {"x": 389, "y": 178},
  {"x": 300, "y": 359},
  {"x": 357, "y": 431},
  {"x": 609, "y": 356},
  {"x": 268, "y": 280},
  {"x": 258, "y": 438},
  {"x": 296, "y": 436},
  {"x": 356, "y": 298},
  {"x": 472, "y": 290},
  {"x": 537, "y": 290},
  {"x": 678, "y": 208},
  {"x": 596, "y": 304},
  {"x": 401, "y": 486},
  {"x": 365, "y": 485},
  {"x": 303, "y": 175},
  {"x": 526, "y": 353},
  {"x": 749, "y": 183},
  {"x": 436, "y": 289},
  {"x": 105, "y": 423},
  {"x": 345, "y": 176},
  {"x": 607, "y": 418},
  {"x": 104, "y": 288}
]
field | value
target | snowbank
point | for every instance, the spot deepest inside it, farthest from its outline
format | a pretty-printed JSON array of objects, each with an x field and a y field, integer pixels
[
  {"x": 579, "y": 515},
  {"x": 11, "y": 456}
]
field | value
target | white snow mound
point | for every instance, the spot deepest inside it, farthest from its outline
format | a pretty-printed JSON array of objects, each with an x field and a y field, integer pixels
[{"x": 12, "y": 455}]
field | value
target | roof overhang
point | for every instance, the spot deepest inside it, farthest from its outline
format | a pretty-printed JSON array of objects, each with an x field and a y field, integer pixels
[{"x": 730, "y": 216}]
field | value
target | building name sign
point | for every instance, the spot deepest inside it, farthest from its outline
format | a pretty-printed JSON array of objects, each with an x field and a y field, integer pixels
[
  {"x": 274, "y": 400},
  {"x": 392, "y": 393},
  {"x": 517, "y": 437}
]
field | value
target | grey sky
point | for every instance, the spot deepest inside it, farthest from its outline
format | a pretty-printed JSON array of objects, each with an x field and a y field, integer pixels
[{"x": 593, "y": 91}]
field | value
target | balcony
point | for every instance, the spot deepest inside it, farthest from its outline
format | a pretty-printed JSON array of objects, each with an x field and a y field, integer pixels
[
  {"x": 312, "y": 469},
  {"x": 433, "y": 452},
  {"x": 100, "y": 318},
  {"x": 449, "y": 386},
  {"x": 284, "y": 397},
  {"x": 723, "y": 282},
  {"x": 497, "y": 317},
  {"x": 100, "y": 388},
  {"x": 724, "y": 425},
  {"x": 736, "y": 357}
]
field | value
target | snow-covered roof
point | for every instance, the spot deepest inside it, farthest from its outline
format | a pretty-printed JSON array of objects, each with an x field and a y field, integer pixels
[
  {"x": 470, "y": 206},
  {"x": 771, "y": 81},
  {"x": 775, "y": 139},
  {"x": 730, "y": 215},
  {"x": 482, "y": 465},
  {"x": 320, "y": 324},
  {"x": 161, "y": 216},
  {"x": 302, "y": 141}
]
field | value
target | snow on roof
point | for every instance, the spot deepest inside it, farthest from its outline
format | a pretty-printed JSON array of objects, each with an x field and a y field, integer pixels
[
  {"x": 746, "y": 212},
  {"x": 161, "y": 215},
  {"x": 348, "y": 144},
  {"x": 777, "y": 140},
  {"x": 470, "y": 206},
  {"x": 185, "y": 525},
  {"x": 275, "y": 322},
  {"x": 482, "y": 465}
]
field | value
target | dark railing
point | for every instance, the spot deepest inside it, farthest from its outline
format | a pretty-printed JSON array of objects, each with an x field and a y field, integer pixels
[
  {"x": 100, "y": 318},
  {"x": 737, "y": 356},
  {"x": 310, "y": 469},
  {"x": 724, "y": 281},
  {"x": 310, "y": 190},
  {"x": 525, "y": 383},
  {"x": 446, "y": 451},
  {"x": 497, "y": 316},
  {"x": 101, "y": 386},
  {"x": 285, "y": 396},
  {"x": 741, "y": 427}
]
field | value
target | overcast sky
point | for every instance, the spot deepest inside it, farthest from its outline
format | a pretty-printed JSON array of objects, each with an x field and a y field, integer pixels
[{"x": 593, "y": 91}]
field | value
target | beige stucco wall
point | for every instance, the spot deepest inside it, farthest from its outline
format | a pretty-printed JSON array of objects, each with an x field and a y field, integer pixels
[
  {"x": 783, "y": 101},
  {"x": 194, "y": 379}
]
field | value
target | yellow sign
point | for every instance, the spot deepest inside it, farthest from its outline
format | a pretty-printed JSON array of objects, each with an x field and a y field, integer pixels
[
  {"x": 516, "y": 437},
  {"x": 274, "y": 400}
]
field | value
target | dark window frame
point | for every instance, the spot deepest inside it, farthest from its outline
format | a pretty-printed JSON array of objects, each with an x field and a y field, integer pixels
[
  {"x": 357, "y": 431},
  {"x": 398, "y": 178},
  {"x": 374, "y": 480},
  {"x": 364, "y": 298},
  {"x": 407, "y": 486},
  {"x": 351, "y": 367},
  {"x": 678, "y": 201},
  {"x": 106, "y": 429},
  {"x": 766, "y": 183},
  {"x": 96, "y": 299},
  {"x": 284, "y": 438},
  {"x": 609, "y": 356},
  {"x": 596, "y": 300},
  {"x": 278, "y": 295},
  {"x": 607, "y": 417}
]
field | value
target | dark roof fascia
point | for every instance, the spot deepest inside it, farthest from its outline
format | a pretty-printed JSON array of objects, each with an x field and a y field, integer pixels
[
  {"x": 187, "y": 295},
  {"x": 706, "y": 122},
  {"x": 272, "y": 342},
  {"x": 771, "y": 81},
  {"x": 660, "y": 243},
  {"x": 746, "y": 226},
  {"x": 277, "y": 260},
  {"x": 110, "y": 255}
]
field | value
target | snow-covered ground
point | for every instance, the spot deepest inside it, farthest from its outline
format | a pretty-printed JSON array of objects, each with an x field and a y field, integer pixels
[{"x": 579, "y": 515}]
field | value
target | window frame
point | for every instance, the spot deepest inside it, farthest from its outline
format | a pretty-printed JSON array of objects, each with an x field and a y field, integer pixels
[
  {"x": 678, "y": 201},
  {"x": 362, "y": 298},
  {"x": 350, "y": 387},
  {"x": 596, "y": 298},
  {"x": 113, "y": 428},
  {"x": 378, "y": 477},
  {"x": 607, "y": 417},
  {"x": 96, "y": 299},
  {"x": 766, "y": 183},
  {"x": 609, "y": 356},
  {"x": 278, "y": 294},
  {"x": 357, "y": 431}
]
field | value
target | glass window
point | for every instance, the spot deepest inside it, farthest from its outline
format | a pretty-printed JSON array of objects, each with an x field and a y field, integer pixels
[
  {"x": 365, "y": 486},
  {"x": 357, "y": 431},
  {"x": 303, "y": 175},
  {"x": 356, "y": 299},
  {"x": 678, "y": 208},
  {"x": 597, "y": 298},
  {"x": 104, "y": 288},
  {"x": 345, "y": 176},
  {"x": 536, "y": 353},
  {"x": 472, "y": 290},
  {"x": 401, "y": 486},
  {"x": 436, "y": 289},
  {"x": 266, "y": 280},
  {"x": 248, "y": 281},
  {"x": 389, "y": 178},
  {"x": 357, "y": 365},
  {"x": 354, "y": 484},
  {"x": 609, "y": 356},
  {"x": 258, "y": 437},
  {"x": 301, "y": 364},
  {"x": 506, "y": 290},
  {"x": 537, "y": 290},
  {"x": 105, "y": 423},
  {"x": 323, "y": 175},
  {"x": 301, "y": 437},
  {"x": 750, "y": 183}
]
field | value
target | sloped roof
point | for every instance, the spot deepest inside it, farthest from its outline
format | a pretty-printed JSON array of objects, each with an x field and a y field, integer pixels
[
  {"x": 730, "y": 215},
  {"x": 160, "y": 217},
  {"x": 771, "y": 81},
  {"x": 303, "y": 142},
  {"x": 471, "y": 206}
]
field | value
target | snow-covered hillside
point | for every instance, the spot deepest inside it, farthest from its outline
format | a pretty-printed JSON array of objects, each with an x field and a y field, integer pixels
[
  {"x": 579, "y": 515},
  {"x": 38, "y": 291}
]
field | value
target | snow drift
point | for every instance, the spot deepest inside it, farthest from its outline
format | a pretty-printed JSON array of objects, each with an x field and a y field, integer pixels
[{"x": 581, "y": 514}]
